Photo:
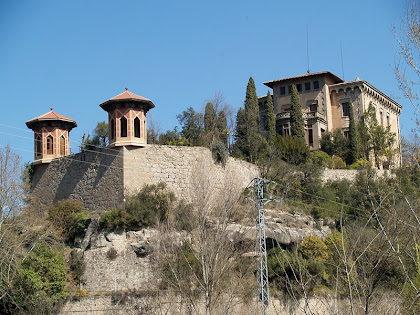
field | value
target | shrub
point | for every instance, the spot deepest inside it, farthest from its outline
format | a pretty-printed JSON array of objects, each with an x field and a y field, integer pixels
[
  {"x": 293, "y": 150},
  {"x": 360, "y": 164},
  {"x": 314, "y": 248},
  {"x": 336, "y": 162},
  {"x": 219, "y": 152},
  {"x": 69, "y": 217},
  {"x": 319, "y": 157},
  {"x": 119, "y": 218},
  {"x": 184, "y": 217},
  {"x": 76, "y": 265},
  {"x": 151, "y": 204},
  {"x": 42, "y": 280}
]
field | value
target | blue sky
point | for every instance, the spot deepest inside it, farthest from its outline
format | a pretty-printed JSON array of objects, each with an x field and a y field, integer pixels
[{"x": 74, "y": 55}]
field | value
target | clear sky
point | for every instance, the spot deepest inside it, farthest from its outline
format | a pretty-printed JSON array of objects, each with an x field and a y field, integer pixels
[{"x": 74, "y": 55}]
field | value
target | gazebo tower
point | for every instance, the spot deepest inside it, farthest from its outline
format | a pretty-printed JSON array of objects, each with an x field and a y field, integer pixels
[
  {"x": 127, "y": 119},
  {"x": 51, "y": 136}
]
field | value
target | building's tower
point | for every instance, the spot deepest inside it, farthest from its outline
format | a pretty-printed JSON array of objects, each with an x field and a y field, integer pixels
[
  {"x": 127, "y": 119},
  {"x": 51, "y": 136}
]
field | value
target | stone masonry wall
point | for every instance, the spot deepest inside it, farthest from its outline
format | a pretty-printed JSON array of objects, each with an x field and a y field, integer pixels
[
  {"x": 102, "y": 178},
  {"x": 94, "y": 178},
  {"x": 188, "y": 171}
]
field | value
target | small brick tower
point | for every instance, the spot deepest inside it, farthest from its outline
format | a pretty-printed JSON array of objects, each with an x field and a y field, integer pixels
[
  {"x": 51, "y": 136},
  {"x": 127, "y": 119}
]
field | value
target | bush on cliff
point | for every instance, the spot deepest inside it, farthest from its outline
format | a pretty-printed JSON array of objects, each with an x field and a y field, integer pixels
[{"x": 69, "y": 217}]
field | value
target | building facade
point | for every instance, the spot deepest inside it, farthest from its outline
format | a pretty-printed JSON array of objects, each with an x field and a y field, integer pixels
[{"x": 325, "y": 100}]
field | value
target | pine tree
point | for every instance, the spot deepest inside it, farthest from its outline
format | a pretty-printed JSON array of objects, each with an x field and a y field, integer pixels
[
  {"x": 271, "y": 134},
  {"x": 297, "y": 125},
  {"x": 353, "y": 154}
]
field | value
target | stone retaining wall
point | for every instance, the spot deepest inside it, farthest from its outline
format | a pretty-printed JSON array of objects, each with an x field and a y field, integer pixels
[{"x": 101, "y": 179}]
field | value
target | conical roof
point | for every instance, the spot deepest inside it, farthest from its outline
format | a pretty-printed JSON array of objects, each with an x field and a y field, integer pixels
[
  {"x": 51, "y": 116},
  {"x": 127, "y": 96}
]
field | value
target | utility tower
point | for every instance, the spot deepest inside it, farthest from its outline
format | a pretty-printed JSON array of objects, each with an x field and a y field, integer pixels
[{"x": 264, "y": 294}]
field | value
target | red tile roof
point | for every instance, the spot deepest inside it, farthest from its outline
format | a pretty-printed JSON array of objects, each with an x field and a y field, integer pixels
[
  {"x": 50, "y": 116},
  {"x": 127, "y": 96},
  {"x": 327, "y": 73}
]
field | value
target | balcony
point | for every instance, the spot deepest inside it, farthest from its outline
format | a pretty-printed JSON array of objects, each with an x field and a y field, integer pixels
[{"x": 306, "y": 115}]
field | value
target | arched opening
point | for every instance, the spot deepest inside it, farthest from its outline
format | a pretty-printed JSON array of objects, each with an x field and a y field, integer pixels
[
  {"x": 137, "y": 127},
  {"x": 50, "y": 145},
  {"x": 123, "y": 123},
  {"x": 38, "y": 145},
  {"x": 112, "y": 127},
  {"x": 62, "y": 145}
]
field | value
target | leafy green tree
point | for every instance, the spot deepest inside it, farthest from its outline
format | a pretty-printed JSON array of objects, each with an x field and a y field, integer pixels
[
  {"x": 271, "y": 118},
  {"x": 353, "y": 153},
  {"x": 192, "y": 124},
  {"x": 42, "y": 280},
  {"x": 375, "y": 138},
  {"x": 99, "y": 137},
  {"x": 297, "y": 125}
]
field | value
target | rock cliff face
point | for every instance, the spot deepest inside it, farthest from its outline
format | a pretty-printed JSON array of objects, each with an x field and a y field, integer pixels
[{"x": 124, "y": 260}]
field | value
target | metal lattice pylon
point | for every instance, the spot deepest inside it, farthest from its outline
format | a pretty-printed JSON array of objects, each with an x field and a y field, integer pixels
[{"x": 264, "y": 294}]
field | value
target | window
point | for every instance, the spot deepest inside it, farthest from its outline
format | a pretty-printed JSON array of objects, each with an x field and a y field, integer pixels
[
  {"x": 313, "y": 107},
  {"x": 290, "y": 89},
  {"x": 38, "y": 145},
  {"x": 50, "y": 145},
  {"x": 346, "y": 109},
  {"x": 112, "y": 127},
  {"x": 123, "y": 129},
  {"x": 137, "y": 127},
  {"x": 346, "y": 134},
  {"x": 381, "y": 117},
  {"x": 282, "y": 90},
  {"x": 316, "y": 85},
  {"x": 388, "y": 119},
  {"x": 299, "y": 87},
  {"x": 311, "y": 137},
  {"x": 307, "y": 86},
  {"x": 62, "y": 145}
]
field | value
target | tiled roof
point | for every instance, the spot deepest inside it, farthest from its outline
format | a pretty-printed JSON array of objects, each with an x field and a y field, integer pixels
[
  {"x": 270, "y": 83},
  {"x": 51, "y": 115},
  {"x": 128, "y": 95}
]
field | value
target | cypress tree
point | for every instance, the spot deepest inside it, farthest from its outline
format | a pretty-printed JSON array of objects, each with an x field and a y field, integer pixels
[
  {"x": 240, "y": 147},
  {"x": 209, "y": 118},
  {"x": 222, "y": 127},
  {"x": 251, "y": 110},
  {"x": 353, "y": 141},
  {"x": 271, "y": 134},
  {"x": 297, "y": 125}
]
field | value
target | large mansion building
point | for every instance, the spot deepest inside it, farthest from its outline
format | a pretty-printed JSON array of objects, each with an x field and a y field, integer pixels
[{"x": 325, "y": 100}]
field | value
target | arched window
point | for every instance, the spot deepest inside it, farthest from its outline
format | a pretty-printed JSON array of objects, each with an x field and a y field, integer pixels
[
  {"x": 62, "y": 145},
  {"x": 137, "y": 127},
  {"x": 123, "y": 123},
  {"x": 50, "y": 145},
  {"x": 112, "y": 137},
  {"x": 38, "y": 145}
]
